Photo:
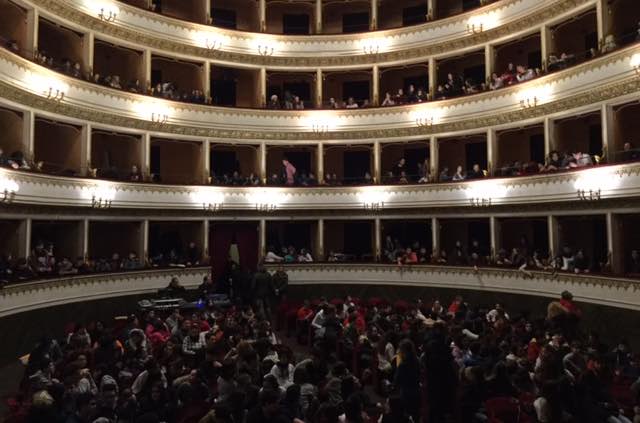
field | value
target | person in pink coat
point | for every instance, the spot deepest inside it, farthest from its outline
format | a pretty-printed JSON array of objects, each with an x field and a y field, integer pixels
[{"x": 290, "y": 171}]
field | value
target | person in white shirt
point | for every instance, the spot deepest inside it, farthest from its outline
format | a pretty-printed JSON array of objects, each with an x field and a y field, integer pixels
[
  {"x": 283, "y": 371},
  {"x": 305, "y": 256},
  {"x": 498, "y": 311},
  {"x": 272, "y": 257}
]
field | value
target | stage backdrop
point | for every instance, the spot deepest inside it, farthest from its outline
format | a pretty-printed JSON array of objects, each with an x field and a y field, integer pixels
[{"x": 236, "y": 240}]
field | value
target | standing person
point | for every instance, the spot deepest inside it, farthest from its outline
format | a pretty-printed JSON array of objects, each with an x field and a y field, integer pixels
[
  {"x": 407, "y": 378},
  {"x": 289, "y": 171},
  {"x": 262, "y": 288},
  {"x": 280, "y": 282}
]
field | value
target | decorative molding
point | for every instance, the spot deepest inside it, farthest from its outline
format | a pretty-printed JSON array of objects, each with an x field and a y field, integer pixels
[
  {"x": 597, "y": 289},
  {"x": 317, "y": 50},
  {"x": 601, "y": 79},
  {"x": 48, "y": 293},
  {"x": 613, "y": 182}
]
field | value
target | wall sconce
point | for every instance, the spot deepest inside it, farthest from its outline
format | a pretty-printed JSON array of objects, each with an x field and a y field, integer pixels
[
  {"x": 475, "y": 28},
  {"x": 371, "y": 49},
  {"x": 54, "y": 94},
  {"x": 212, "y": 207},
  {"x": 265, "y": 50},
  {"x": 589, "y": 195},
  {"x": 425, "y": 121},
  {"x": 100, "y": 203},
  {"x": 529, "y": 102},
  {"x": 480, "y": 202},
  {"x": 8, "y": 191},
  {"x": 373, "y": 207},
  {"x": 159, "y": 118},
  {"x": 266, "y": 207},
  {"x": 635, "y": 63},
  {"x": 107, "y": 15},
  {"x": 320, "y": 128},
  {"x": 213, "y": 44},
  {"x": 211, "y": 201}
]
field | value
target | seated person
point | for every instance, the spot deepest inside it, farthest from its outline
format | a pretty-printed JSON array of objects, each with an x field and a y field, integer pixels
[{"x": 174, "y": 289}]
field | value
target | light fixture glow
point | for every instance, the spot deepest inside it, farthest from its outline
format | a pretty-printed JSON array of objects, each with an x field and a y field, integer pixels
[
  {"x": 155, "y": 112},
  {"x": 373, "y": 46},
  {"x": 8, "y": 190},
  {"x": 209, "y": 199},
  {"x": 427, "y": 117},
  {"x": 635, "y": 63},
  {"x": 266, "y": 200},
  {"x": 533, "y": 97},
  {"x": 373, "y": 199},
  {"x": 319, "y": 124},
  {"x": 49, "y": 87},
  {"x": 480, "y": 23},
  {"x": 210, "y": 40},
  {"x": 484, "y": 193},
  {"x": 101, "y": 196},
  {"x": 592, "y": 183},
  {"x": 105, "y": 10}
]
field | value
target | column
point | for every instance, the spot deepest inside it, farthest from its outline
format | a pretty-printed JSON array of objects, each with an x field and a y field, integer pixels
[
  {"x": 85, "y": 238},
  {"x": 433, "y": 158},
  {"x": 320, "y": 163},
  {"x": 318, "y": 101},
  {"x": 26, "y": 244},
  {"x": 263, "y": 239},
  {"x": 549, "y": 141},
  {"x": 145, "y": 165},
  {"x": 144, "y": 242},
  {"x": 28, "y": 130},
  {"x": 318, "y": 17},
  {"x": 85, "y": 148},
  {"x": 433, "y": 77},
  {"x": 375, "y": 82},
  {"x": 320, "y": 237},
  {"x": 608, "y": 141},
  {"x": 262, "y": 159},
  {"x": 492, "y": 151},
  {"x": 88, "y": 42},
  {"x": 615, "y": 244},
  {"x": 262, "y": 15},
  {"x": 207, "y": 11},
  {"x": 494, "y": 232},
  {"x": 545, "y": 45},
  {"x": 31, "y": 44},
  {"x": 431, "y": 10},
  {"x": 489, "y": 59},
  {"x": 554, "y": 241},
  {"x": 262, "y": 87},
  {"x": 205, "y": 242},
  {"x": 377, "y": 171},
  {"x": 602, "y": 16},
  {"x": 146, "y": 64},
  {"x": 377, "y": 239},
  {"x": 206, "y": 162},
  {"x": 435, "y": 237},
  {"x": 206, "y": 81},
  {"x": 373, "y": 22}
]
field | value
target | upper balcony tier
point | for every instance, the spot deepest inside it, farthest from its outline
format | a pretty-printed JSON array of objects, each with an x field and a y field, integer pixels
[{"x": 141, "y": 29}]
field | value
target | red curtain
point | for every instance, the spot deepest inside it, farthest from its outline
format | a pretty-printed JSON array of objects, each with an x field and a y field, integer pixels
[{"x": 223, "y": 235}]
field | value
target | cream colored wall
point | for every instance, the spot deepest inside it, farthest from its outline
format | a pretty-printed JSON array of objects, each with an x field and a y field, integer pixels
[
  {"x": 13, "y": 24},
  {"x": 123, "y": 151},
  {"x": 516, "y": 53},
  {"x": 58, "y": 145},
  {"x": 180, "y": 161},
  {"x": 246, "y": 13},
  {"x": 11, "y": 128},
  {"x": 190, "y": 10},
  {"x": 187, "y": 75},
  {"x": 113, "y": 60},
  {"x": 106, "y": 238},
  {"x": 275, "y": 12},
  {"x": 390, "y": 12},
  {"x": 514, "y": 145},
  {"x": 60, "y": 43},
  {"x": 332, "y": 14}
]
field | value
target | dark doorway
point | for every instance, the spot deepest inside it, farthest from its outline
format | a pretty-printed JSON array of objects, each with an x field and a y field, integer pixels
[
  {"x": 470, "y": 4},
  {"x": 417, "y": 82},
  {"x": 156, "y": 77},
  {"x": 595, "y": 140},
  {"x": 355, "y": 22},
  {"x": 414, "y": 15},
  {"x": 359, "y": 90},
  {"x": 534, "y": 59},
  {"x": 223, "y": 236},
  {"x": 301, "y": 89},
  {"x": 301, "y": 160},
  {"x": 223, "y": 92},
  {"x": 536, "y": 148},
  {"x": 223, "y": 18},
  {"x": 476, "y": 152},
  {"x": 295, "y": 24},
  {"x": 356, "y": 164},
  {"x": 357, "y": 240},
  {"x": 479, "y": 231},
  {"x": 224, "y": 162},
  {"x": 475, "y": 73}
]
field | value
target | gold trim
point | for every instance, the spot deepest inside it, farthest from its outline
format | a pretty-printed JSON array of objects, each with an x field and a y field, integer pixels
[{"x": 66, "y": 11}]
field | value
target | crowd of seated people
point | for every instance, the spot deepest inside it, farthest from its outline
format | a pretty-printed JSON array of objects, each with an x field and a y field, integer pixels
[
  {"x": 401, "y": 175},
  {"x": 236, "y": 179},
  {"x": 45, "y": 263},
  {"x": 349, "y": 103},
  {"x": 411, "y": 96},
  {"x": 288, "y": 254},
  {"x": 175, "y": 257},
  {"x": 514, "y": 74},
  {"x": 366, "y": 360},
  {"x": 289, "y": 102},
  {"x": 555, "y": 162},
  {"x": 460, "y": 174}
]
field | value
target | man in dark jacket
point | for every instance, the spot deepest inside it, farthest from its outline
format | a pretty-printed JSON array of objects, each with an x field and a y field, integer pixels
[{"x": 262, "y": 288}]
